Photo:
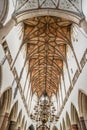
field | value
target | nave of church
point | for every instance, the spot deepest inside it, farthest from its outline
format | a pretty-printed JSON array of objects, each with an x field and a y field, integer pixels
[{"x": 43, "y": 64}]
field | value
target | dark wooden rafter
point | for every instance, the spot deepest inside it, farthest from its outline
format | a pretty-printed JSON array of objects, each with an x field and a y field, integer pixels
[
  {"x": 42, "y": 63},
  {"x": 51, "y": 86},
  {"x": 50, "y": 78},
  {"x": 35, "y": 78},
  {"x": 55, "y": 83},
  {"x": 46, "y": 39},
  {"x": 34, "y": 75}
]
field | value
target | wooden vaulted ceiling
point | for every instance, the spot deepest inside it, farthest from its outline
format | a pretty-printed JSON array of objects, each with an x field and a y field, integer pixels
[{"x": 46, "y": 39}]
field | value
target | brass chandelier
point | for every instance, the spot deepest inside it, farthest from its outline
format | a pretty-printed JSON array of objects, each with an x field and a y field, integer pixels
[{"x": 44, "y": 112}]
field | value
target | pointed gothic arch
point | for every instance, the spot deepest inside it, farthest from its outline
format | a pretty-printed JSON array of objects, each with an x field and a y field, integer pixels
[
  {"x": 68, "y": 122},
  {"x": 22, "y": 123},
  {"x": 25, "y": 126},
  {"x": 63, "y": 125},
  {"x": 14, "y": 111},
  {"x": 5, "y": 100},
  {"x": 19, "y": 119},
  {"x": 5, "y": 104},
  {"x": 12, "y": 124},
  {"x": 74, "y": 116},
  {"x": 82, "y": 101}
]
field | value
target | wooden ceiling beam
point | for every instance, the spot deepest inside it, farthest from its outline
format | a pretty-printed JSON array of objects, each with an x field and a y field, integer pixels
[
  {"x": 48, "y": 80},
  {"x": 36, "y": 77},
  {"x": 43, "y": 81},
  {"x": 46, "y": 46}
]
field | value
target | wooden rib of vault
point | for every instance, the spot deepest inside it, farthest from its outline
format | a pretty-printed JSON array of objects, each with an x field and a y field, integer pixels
[{"x": 46, "y": 39}]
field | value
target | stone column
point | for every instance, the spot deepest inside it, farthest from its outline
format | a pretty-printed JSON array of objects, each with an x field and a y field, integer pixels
[
  {"x": 13, "y": 125},
  {"x": 83, "y": 24},
  {"x": 74, "y": 127},
  {"x": 82, "y": 123},
  {"x": 5, "y": 122},
  {"x": 6, "y": 29}
]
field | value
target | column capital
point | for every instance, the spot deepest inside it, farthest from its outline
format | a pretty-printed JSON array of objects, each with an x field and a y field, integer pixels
[
  {"x": 15, "y": 19},
  {"x": 5, "y": 121},
  {"x": 82, "y": 122},
  {"x": 81, "y": 118},
  {"x": 7, "y": 115},
  {"x": 7, "y": 28},
  {"x": 13, "y": 125},
  {"x": 74, "y": 127},
  {"x": 83, "y": 24},
  {"x": 82, "y": 19},
  {"x": 12, "y": 122}
]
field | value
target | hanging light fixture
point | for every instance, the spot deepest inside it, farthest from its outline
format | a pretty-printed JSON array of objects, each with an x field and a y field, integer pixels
[{"x": 44, "y": 112}]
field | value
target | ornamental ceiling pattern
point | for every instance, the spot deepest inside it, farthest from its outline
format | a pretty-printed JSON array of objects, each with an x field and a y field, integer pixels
[
  {"x": 46, "y": 38},
  {"x": 68, "y": 5}
]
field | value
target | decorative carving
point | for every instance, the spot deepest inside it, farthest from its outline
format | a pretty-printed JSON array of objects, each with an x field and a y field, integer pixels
[
  {"x": 48, "y": 4},
  {"x": 68, "y": 5},
  {"x": 29, "y": 5}
]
